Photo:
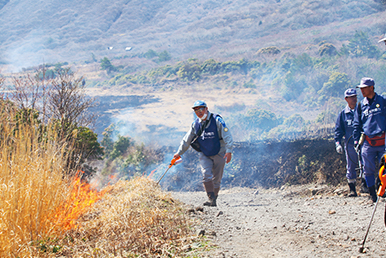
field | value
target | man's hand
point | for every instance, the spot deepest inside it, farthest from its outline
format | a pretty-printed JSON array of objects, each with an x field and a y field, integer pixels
[
  {"x": 228, "y": 157},
  {"x": 339, "y": 148},
  {"x": 176, "y": 156}
]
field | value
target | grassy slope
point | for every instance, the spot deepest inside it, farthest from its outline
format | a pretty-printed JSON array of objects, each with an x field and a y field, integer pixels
[{"x": 54, "y": 31}]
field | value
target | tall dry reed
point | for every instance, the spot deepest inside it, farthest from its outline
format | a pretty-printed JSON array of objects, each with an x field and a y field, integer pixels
[{"x": 32, "y": 184}]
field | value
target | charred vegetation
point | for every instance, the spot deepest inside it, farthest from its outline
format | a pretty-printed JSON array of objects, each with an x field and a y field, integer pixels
[{"x": 268, "y": 164}]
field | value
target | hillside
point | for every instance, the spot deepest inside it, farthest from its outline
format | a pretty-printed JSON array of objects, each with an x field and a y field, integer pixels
[{"x": 73, "y": 31}]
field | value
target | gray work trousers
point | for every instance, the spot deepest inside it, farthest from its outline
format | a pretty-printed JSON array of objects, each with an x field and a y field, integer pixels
[{"x": 212, "y": 168}]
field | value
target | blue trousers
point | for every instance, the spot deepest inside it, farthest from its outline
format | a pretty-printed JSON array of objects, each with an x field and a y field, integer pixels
[
  {"x": 371, "y": 157},
  {"x": 352, "y": 161}
]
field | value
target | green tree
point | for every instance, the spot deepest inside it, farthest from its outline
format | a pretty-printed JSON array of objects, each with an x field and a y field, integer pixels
[
  {"x": 120, "y": 147},
  {"x": 164, "y": 56},
  {"x": 87, "y": 144},
  {"x": 260, "y": 119},
  {"x": 150, "y": 54},
  {"x": 107, "y": 140},
  {"x": 106, "y": 65},
  {"x": 301, "y": 62},
  {"x": 295, "y": 121},
  {"x": 360, "y": 45},
  {"x": 211, "y": 66},
  {"x": 337, "y": 83}
]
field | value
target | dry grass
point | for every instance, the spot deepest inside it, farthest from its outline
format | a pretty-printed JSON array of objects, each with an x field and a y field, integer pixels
[
  {"x": 133, "y": 219},
  {"x": 46, "y": 214},
  {"x": 31, "y": 185}
]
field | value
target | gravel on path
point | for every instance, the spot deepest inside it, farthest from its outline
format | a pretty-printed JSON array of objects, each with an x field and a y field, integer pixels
[{"x": 302, "y": 221}]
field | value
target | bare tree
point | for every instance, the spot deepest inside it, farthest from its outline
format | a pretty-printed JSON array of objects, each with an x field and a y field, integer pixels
[
  {"x": 61, "y": 98},
  {"x": 30, "y": 92},
  {"x": 67, "y": 100}
]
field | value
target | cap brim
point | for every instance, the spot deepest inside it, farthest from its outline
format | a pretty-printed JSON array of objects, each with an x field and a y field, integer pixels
[
  {"x": 384, "y": 39},
  {"x": 364, "y": 86}
]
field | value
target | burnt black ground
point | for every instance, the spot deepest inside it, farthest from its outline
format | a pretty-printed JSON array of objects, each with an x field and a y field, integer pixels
[{"x": 302, "y": 221}]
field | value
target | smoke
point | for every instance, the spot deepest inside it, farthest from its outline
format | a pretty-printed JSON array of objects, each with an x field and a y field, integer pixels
[
  {"x": 155, "y": 135},
  {"x": 161, "y": 140},
  {"x": 29, "y": 51}
]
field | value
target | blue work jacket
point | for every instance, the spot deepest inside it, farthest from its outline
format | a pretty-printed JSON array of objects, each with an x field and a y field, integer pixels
[
  {"x": 344, "y": 126},
  {"x": 370, "y": 118}
]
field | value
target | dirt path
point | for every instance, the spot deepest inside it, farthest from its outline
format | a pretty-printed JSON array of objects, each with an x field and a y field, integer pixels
[{"x": 290, "y": 222}]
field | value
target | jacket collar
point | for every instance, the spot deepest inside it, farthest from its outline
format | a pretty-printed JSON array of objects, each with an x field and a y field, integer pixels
[
  {"x": 347, "y": 109},
  {"x": 366, "y": 101}
]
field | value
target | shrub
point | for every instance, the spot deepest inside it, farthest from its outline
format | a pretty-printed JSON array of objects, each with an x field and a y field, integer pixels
[
  {"x": 328, "y": 49},
  {"x": 106, "y": 65},
  {"x": 164, "y": 56},
  {"x": 150, "y": 54},
  {"x": 269, "y": 50},
  {"x": 260, "y": 118},
  {"x": 336, "y": 85}
]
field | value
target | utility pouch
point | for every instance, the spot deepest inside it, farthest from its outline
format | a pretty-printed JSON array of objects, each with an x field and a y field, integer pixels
[
  {"x": 195, "y": 145},
  {"x": 376, "y": 141}
]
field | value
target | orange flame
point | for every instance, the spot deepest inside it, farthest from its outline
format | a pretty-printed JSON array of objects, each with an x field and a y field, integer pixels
[
  {"x": 151, "y": 173},
  {"x": 81, "y": 198}
]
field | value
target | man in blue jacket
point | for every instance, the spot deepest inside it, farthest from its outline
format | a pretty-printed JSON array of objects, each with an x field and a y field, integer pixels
[
  {"x": 370, "y": 119},
  {"x": 214, "y": 142},
  {"x": 344, "y": 129}
]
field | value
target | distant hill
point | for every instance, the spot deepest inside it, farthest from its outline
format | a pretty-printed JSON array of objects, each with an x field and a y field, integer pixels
[{"x": 34, "y": 32}]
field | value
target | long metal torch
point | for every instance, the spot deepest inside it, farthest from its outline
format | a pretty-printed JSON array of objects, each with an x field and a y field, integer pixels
[{"x": 174, "y": 161}]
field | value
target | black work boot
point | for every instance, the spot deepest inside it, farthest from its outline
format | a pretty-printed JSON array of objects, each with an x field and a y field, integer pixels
[
  {"x": 373, "y": 194},
  {"x": 353, "y": 192},
  {"x": 364, "y": 188},
  {"x": 212, "y": 200}
]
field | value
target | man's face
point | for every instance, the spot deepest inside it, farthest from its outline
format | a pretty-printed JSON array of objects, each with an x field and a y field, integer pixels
[
  {"x": 351, "y": 101},
  {"x": 367, "y": 91},
  {"x": 200, "y": 111}
]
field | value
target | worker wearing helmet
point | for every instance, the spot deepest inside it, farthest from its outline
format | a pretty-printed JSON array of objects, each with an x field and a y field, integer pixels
[
  {"x": 370, "y": 118},
  {"x": 344, "y": 129},
  {"x": 211, "y": 137}
]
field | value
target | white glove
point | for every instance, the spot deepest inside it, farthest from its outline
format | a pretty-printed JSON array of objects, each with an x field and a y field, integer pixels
[{"x": 339, "y": 148}]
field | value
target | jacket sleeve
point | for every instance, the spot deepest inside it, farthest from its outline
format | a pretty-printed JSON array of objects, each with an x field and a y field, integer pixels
[
  {"x": 339, "y": 128},
  {"x": 225, "y": 134},
  {"x": 357, "y": 123},
  {"x": 185, "y": 142}
]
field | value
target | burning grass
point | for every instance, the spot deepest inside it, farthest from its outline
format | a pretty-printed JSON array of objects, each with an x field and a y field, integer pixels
[
  {"x": 44, "y": 213},
  {"x": 133, "y": 219}
]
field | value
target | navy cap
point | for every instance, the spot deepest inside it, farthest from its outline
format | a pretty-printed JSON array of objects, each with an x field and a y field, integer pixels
[
  {"x": 199, "y": 103},
  {"x": 350, "y": 92},
  {"x": 366, "y": 82}
]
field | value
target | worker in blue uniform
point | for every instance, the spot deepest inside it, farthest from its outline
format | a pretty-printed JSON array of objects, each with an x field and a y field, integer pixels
[
  {"x": 370, "y": 119},
  {"x": 210, "y": 136},
  {"x": 344, "y": 130}
]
